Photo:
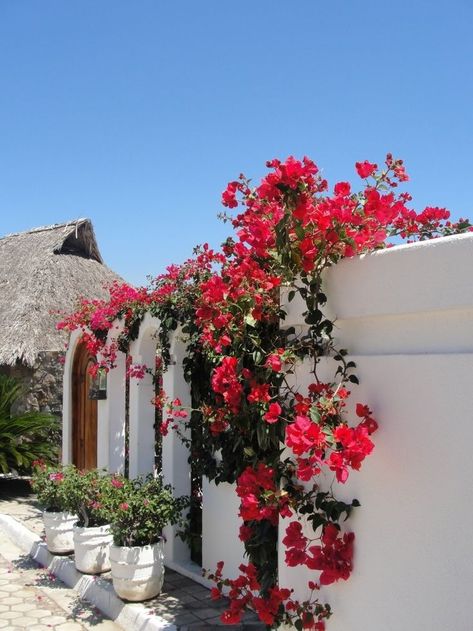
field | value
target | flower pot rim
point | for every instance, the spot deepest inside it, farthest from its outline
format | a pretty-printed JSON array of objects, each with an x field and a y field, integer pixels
[
  {"x": 77, "y": 527},
  {"x": 148, "y": 545}
]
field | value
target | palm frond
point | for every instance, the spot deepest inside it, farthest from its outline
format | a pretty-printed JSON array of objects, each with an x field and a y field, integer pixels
[{"x": 23, "y": 437}]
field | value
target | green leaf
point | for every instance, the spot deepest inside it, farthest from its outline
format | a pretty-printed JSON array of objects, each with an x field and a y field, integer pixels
[
  {"x": 250, "y": 320},
  {"x": 313, "y": 317}
]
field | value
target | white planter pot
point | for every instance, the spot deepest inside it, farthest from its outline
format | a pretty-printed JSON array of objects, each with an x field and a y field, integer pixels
[
  {"x": 91, "y": 549},
  {"x": 137, "y": 572},
  {"x": 58, "y": 528}
]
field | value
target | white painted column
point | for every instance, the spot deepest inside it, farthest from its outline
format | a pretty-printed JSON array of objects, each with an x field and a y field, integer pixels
[
  {"x": 111, "y": 416},
  {"x": 220, "y": 506},
  {"x": 176, "y": 468},
  {"x": 142, "y": 439},
  {"x": 67, "y": 397}
]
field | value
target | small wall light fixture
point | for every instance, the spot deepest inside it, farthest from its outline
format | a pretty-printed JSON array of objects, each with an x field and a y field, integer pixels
[{"x": 98, "y": 385}]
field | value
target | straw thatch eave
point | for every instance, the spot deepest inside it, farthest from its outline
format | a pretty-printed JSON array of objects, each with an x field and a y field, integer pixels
[{"x": 43, "y": 272}]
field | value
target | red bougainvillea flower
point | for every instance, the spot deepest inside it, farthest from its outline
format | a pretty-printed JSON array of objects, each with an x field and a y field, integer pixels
[
  {"x": 365, "y": 169},
  {"x": 225, "y": 382},
  {"x": 304, "y": 436},
  {"x": 56, "y": 477},
  {"x": 273, "y": 413},
  {"x": 274, "y": 362},
  {"x": 342, "y": 189},
  {"x": 256, "y": 488},
  {"x": 333, "y": 557},
  {"x": 356, "y": 445}
]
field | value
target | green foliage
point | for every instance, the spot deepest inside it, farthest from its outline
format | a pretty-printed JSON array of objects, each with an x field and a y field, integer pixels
[
  {"x": 49, "y": 484},
  {"x": 92, "y": 496},
  {"x": 148, "y": 507},
  {"x": 24, "y": 437}
]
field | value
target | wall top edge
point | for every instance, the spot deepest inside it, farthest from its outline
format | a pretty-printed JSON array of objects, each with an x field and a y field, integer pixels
[{"x": 465, "y": 240}]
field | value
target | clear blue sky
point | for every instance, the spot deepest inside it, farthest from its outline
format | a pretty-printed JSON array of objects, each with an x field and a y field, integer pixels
[{"x": 136, "y": 114}]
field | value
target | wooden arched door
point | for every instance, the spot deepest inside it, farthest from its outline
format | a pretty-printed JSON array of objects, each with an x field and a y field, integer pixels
[{"x": 84, "y": 412}]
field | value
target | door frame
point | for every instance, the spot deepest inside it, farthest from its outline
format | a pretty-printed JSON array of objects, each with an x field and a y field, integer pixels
[{"x": 84, "y": 411}]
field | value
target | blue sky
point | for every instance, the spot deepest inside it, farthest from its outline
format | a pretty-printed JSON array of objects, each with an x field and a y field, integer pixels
[{"x": 137, "y": 114}]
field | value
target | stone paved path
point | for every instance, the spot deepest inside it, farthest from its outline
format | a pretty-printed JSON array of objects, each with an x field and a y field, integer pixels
[{"x": 32, "y": 599}]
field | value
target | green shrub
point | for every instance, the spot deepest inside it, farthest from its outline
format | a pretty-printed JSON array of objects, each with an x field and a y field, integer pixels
[
  {"x": 51, "y": 487},
  {"x": 93, "y": 496},
  {"x": 147, "y": 507},
  {"x": 24, "y": 437}
]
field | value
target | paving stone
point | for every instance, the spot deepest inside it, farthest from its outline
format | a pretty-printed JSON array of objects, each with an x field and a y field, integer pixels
[
  {"x": 42, "y": 614},
  {"x": 10, "y": 588},
  {"x": 53, "y": 620},
  {"x": 197, "y": 590},
  {"x": 204, "y": 613},
  {"x": 24, "y": 607},
  {"x": 187, "y": 599},
  {"x": 10, "y": 615},
  {"x": 24, "y": 593},
  {"x": 185, "y": 618},
  {"x": 11, "y": 600},
  {"x": 215, "y": 621},
  {"x": 26, "y": 622},
  {"x": 69, "y": 626}
]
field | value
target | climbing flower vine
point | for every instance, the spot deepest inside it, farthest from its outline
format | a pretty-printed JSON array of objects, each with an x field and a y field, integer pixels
[{"x": 274, "y": 441}]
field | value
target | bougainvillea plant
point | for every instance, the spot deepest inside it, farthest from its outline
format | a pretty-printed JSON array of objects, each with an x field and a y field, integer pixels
[{"x": 274, "y": 440}]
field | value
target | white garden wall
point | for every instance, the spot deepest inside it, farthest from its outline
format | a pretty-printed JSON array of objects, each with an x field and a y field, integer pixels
[{"x": 406, "y": 315}]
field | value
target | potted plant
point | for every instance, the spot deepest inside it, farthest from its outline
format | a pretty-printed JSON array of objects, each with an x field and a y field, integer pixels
[
  {"x": 92, "y": 494},
  {"x": 137, "y": 554},
  {"x": 50, "y": 486}
]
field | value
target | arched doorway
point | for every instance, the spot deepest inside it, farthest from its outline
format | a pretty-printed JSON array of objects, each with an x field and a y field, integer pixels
[{"x": 84, "y": 412}]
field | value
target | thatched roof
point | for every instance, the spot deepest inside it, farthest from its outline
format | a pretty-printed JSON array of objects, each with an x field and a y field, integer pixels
[{"x": 42, "y": 271}]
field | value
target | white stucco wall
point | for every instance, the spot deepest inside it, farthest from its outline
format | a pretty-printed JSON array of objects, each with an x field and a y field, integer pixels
[
  {"x": 142, "y": 391},
  {"x": 406, "y": 316},
  {"x": 220, "y": 528}
]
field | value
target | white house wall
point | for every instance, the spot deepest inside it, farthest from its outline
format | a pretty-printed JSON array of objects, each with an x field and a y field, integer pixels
[
  {"x": 407, "y": 313},
  {"x": 220, "y": 527}
]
